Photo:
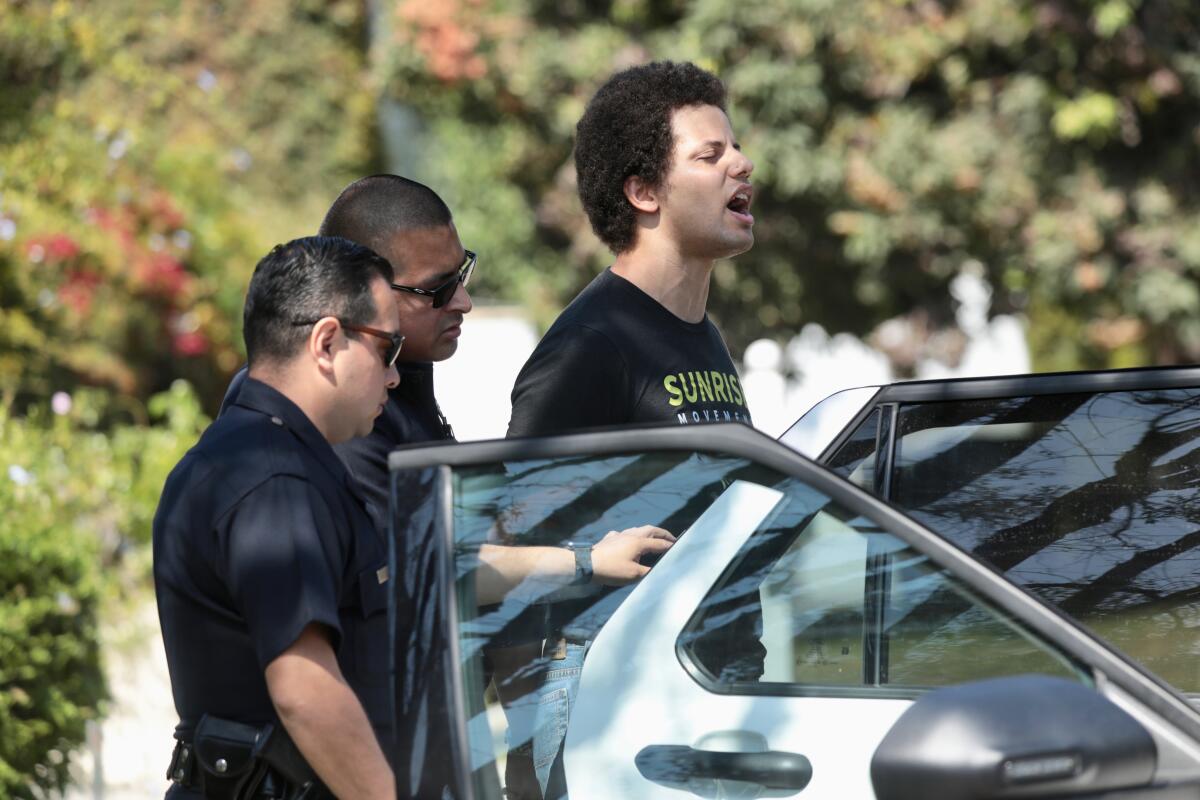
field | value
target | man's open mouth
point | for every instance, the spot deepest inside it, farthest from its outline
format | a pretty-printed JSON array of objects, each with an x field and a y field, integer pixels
[{"x": 740, "y": 202}]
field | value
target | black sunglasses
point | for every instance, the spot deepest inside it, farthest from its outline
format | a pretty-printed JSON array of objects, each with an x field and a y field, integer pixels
[
  {"x": 442, "y": 294},
  {"x": 395, "y": 340}
]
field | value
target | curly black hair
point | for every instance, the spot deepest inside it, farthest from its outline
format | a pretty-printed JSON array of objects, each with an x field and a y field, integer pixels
[{"x": 626, "y": 130}]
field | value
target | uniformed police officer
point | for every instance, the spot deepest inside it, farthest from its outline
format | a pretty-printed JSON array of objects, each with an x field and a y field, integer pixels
[{"x": 267, "y": 567}]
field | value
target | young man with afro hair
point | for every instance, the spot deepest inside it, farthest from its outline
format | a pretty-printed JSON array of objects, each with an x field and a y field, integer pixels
[{"x": 665, "y": 185}]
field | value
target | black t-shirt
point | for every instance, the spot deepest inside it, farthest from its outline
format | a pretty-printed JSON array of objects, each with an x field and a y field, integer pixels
[
  {"x": 261, "y": 531},
  {"x": 616, "y": 356}
]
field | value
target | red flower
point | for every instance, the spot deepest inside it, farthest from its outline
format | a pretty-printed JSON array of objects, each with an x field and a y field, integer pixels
[
  {"x": 78, "y": 290},
  {"x": 61, "y": 247},
  {"x": 119, "y": 224},
  {"x": 190, "y": 344},
  {"x": 163, "y": 274}
]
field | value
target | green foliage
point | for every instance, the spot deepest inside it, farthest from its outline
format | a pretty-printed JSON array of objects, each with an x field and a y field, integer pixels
[
  {"x": 150, "y": 154},
  {"x": 78, "y": 503},
  {"x": 1053, "y": 143}
]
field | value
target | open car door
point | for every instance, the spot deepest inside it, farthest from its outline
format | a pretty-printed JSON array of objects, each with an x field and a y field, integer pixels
[{"x": 796, "y": 622}]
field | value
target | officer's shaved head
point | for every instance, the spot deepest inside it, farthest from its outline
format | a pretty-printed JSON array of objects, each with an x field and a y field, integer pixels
[{"x": 372, "y": 210}]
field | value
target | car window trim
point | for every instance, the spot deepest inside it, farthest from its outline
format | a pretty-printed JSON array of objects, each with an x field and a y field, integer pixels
[
  {"x": 1004, "y": 386},
  {"x": 853, "y": 425},
  {"x": 734, "y": 439}
]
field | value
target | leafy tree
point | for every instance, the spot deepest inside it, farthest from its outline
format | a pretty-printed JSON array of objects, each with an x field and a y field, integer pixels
[
  {"x": 150, "y": 153},
  {"x": 1050, "y": 145}
]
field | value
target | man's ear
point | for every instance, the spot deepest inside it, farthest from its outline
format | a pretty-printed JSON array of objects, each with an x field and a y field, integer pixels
[
  {"x": 323, "y": 342},
  {"x": 641, "y": 195}
]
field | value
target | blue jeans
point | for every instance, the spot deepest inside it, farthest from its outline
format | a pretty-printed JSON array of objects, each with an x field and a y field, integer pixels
[{"x": 556, "y": 696}]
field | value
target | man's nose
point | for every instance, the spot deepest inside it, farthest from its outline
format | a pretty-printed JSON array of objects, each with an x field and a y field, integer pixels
[
  {"x": 393, "y": 377},
  {"x": 742, "y": 166},
  {"x": 460, "y": 301}
]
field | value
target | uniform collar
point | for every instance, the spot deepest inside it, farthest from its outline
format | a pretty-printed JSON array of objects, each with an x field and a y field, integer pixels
[
  {"x": 265, "y": 399},
  {"x": 414, "y": 367},
  {"x": 416, "y": 387},
  {"x": 416, "y": 381}
]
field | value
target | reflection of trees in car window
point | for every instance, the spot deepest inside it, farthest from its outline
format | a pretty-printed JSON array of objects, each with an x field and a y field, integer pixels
[
  {"x": 548, "y": 502},
  {"x": 855, "y": 459},
  {"x": 1087, "y": 499},
  {"x": 844, "y": 605}
]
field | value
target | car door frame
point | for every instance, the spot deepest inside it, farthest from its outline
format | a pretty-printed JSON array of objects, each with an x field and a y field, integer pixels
[
  {"x": 431, "y": 539},
  {"x": 888, "y": 398}
]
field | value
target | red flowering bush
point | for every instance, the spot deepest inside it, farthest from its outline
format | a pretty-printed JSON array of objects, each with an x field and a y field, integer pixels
[{"x": 147, "y": 161}]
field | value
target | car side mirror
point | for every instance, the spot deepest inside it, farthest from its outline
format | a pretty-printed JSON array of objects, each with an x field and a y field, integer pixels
[{"x": 1025, "y": 736}]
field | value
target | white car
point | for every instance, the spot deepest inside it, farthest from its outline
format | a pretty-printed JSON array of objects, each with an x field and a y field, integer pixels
[{"x": 804, "y": 638}]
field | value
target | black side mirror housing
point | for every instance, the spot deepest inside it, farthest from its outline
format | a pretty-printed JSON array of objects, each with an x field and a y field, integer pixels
[{"x": 1025, "y": 736}]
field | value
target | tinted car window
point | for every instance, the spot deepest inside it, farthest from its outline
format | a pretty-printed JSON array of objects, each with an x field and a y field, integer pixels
[
  {"x": 550, "y": 502},
  {"x": 848, "y": 605},
  {"x": 855, "y": 459},
  {"x": 1089, "y": 500}
]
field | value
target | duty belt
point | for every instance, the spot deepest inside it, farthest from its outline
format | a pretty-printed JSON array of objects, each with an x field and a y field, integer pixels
[{"x": 231, "y": 760}]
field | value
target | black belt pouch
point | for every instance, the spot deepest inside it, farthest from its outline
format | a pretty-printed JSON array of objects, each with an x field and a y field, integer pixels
[{"x": 226, "y": 753}]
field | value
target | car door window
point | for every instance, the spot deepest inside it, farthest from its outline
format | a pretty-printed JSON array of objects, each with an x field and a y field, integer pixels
[
  {"x": 1087, "y": 499},
  {"x": 524, "y": 650},
  {"x": 847, "y": 609},
  {"x": 855, "y": 459}
]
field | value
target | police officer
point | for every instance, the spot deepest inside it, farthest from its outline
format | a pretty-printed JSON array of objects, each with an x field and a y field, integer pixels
[
  {"x": 267, "y": 567},
  {"x": 409, "y": 225}
]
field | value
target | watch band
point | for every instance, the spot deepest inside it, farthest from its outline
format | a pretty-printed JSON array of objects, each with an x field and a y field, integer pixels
[{"x": 583, "y": 563}]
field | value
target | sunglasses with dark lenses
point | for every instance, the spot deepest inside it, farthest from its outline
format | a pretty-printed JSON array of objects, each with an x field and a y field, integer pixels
[
  {"x": 442, "y": 294},
  {"x": 395, "y": 340}
]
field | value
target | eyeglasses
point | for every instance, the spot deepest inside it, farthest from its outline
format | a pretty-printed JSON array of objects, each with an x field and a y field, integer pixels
[
  {"x": 442, "y": 294},
  {"x": 395, "y": 340}
]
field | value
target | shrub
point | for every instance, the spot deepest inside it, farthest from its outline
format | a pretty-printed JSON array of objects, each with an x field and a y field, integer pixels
[{"x": 78, "y": 502}]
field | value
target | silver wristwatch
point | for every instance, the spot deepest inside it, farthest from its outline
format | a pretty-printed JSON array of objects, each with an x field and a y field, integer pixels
[{"x": 583, "y": 562}]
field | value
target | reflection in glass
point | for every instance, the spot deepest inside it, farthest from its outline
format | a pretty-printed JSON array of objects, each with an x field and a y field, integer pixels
[
  {"x": 527, "y": 649},
  {"x": 848, "y": 605},
  {"x": 855, "y": 460},
  {"x": 1089, "y": 500},
  {"x": 818, "y": 597}
]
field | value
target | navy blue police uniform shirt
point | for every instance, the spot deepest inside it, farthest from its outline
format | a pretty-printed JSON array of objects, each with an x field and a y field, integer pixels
[
  {"x": 616, "y": 356},
  {"x": 410, "y": 416},
  {"x": 261, "y": 531}
]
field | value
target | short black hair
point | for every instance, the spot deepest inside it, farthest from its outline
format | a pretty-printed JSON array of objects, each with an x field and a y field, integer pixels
[
  {"x": 626, "y": 130},
  {"x": 302, "y": 281},
  {"x": 373, "y": 209}
]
